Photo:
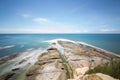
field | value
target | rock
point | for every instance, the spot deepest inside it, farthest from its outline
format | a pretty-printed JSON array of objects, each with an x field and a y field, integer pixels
[
  {"x": 97, "y": 76},
  {"x": 71, "y": 64},
  {"x": 7, "y": 58},
  {"x": 80, "y": 71},
  {"x": 53, "y": 43},
  {"x": 51, "y": 48},
  {"x": 24, "y": 60},
  {"x": 32, "y": 70},
  {"x": 81, "y": 58},
  {"x": 72, "y": 46},
  {"x": 6, "y": 76},
  {"x": 105, "y": 77},
  {"x": 48, "y": 67},
  {"x": 15, "y": 69},
  {"x": 29, "y": 74},
  {"x": 91, "y": 77}
]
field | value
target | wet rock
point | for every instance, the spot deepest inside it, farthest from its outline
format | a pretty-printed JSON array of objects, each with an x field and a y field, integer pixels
[
  {"x": 15, "y": 69},
  {"x": 53, "y": 43},
  {"x": 51, "y": 48},
  {"x": 22, "y": 61},
  {"x": 6, "y": 76},
  {"x": 7, "y": 58}
]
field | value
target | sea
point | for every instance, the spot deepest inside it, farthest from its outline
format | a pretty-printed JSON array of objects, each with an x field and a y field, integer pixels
[{"x": 19, "y": 43}]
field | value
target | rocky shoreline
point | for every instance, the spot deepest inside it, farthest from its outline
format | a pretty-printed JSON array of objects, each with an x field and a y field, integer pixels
[
  {"x": 66, "y": 60},
  {"x": 48, "y": 66},
  {"x": 7, "y": 58},
  {"x": 14, "y": 67}
]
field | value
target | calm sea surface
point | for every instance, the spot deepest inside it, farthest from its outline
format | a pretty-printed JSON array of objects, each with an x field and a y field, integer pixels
[{"x": 17, "y": 43}]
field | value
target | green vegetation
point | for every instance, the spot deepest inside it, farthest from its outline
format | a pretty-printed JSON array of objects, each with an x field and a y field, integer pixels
[
  {"x": 112, "y": 68},
  {"x": 67, "y": 67}
]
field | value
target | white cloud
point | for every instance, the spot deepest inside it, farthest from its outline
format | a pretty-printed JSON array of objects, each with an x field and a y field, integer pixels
[
  {"x": 47, "y": 29},
  {"x": 41, "y": 20},
  {"x": 25, "y": 15},
  {"x": 35, "y": 19},
  {"x": 109, "y": 30}
]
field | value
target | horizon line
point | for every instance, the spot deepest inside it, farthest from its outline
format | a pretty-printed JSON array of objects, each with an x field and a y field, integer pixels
[{"x": 59, "y": 33}]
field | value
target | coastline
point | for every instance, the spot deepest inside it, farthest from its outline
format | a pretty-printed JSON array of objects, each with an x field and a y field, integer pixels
[
  {"x": 20, "y": 63},
  {"x": 76, "y": 62},
  {"x": 74, "y": 56},
  {"x": 100, "y": 49}
]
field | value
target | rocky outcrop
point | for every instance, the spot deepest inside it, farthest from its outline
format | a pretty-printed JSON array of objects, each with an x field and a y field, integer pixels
[
  {"x": 97, "y": 76},
  {"x": 16, "y": 66},
  {"x": 64, "y": 60},
  {"x": 7, "y": 58},
  {"x": 69, "y": 61},
  {"x": 7, "y": 76},
  {"x": 81, "y": 59},
  {"x": 48, "y": 67},
  {"x": 105, "y": 77}
]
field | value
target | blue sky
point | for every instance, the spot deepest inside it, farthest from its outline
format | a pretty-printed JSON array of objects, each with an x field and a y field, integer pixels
[{"x": 59, "y": 16}]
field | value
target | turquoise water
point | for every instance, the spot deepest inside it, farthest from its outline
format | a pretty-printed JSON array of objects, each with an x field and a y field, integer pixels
[{"x": 16, "y": 43}]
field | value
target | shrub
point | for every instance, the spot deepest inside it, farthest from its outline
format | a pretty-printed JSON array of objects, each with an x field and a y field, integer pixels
[{"x": 111, "y": 69}]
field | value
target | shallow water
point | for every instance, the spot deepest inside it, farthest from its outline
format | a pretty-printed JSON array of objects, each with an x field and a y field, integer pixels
[{"x": 17, "y": 43}]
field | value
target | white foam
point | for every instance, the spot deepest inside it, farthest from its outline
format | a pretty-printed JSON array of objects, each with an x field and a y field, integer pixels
[
  {"x": 30, "y": 49},
  {"x": 6, "y": 47},
  {"x": 56, "y": 40},
  {"x": 30, "y": 57},
  {"x": 58, "y": 46}
]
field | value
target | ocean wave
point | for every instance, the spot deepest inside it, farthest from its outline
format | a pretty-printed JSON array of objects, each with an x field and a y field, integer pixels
[
  {"x": 6, "y": 47},
  {"x": 60, "y": 39},
  {"x": 30, "y": 49}
]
